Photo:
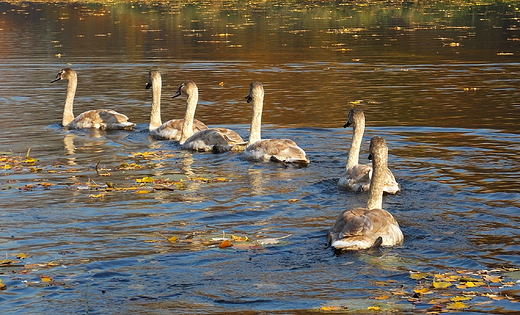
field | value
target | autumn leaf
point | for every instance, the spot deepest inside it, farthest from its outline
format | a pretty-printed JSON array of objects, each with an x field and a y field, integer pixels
[
  {"x": 144, "y": 180},
  {"x": 418, "y": 275},
  {"x": 460, "y": 298},
  {"x": 239, "y": 238},
  {"x": 333, "y": 308},
  {"x": 173, "y": 239},
  {"x": 456, "y": 306},
  {"x": 225, "y": 244},
  {"x": 382, "y": 297},
  {"x": 3, "y": 286},
  {"x": 21, "y": 256},
  {"x": 421, "y": 291},
  {"x": 441, "y": 284},
  {"x": 46, "y": 278},
  {"x": 374, "y": 308}
]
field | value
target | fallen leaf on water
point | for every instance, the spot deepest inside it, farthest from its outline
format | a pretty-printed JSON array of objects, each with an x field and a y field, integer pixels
[
  {"x": 421, "y": 291},
  {"x": 173, "y": 239},
  {"x": 456, "y": 306},
  {"x": 146, "y": 179},
  {"x": 374, "y": 308},
  {"x": 97, "y": 196},
  {"x": 383, "y": 297},
  {"x": 225, "y": 244},
  {"x": 493, "y": 279},
  {"x": 2, "y": 285},
  {"x": 460, "y": 298},
  {"x": 471, "y": 284},
  {"x": 239, "y": 238},
  {"x": 46, "y": 278},
  {"x": 441, "y": 284},
  {"x": 333, "y": 308},
  {"x": 418, "y": 275},
  {"x": 21, "y": 256}
]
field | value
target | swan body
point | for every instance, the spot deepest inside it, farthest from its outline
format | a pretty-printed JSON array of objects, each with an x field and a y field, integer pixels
[
  {"x": 363, "y": 228},
  {"x": 277, "y": 150},
  {"x": 213, "y": 139},
  {"x": 99, "y": 118},
  {"x": 357, "y": 176},
  {"x": 170, "y": 130}
]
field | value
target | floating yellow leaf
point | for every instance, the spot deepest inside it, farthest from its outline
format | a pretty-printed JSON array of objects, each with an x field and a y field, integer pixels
[
  {"x": 46, "y": 278},
  {"x": 97, "y": 196},
  {"x": 374, "y": 308},
  {"x": 221, "y": 83},
  {"x": 293, "y": 200},
  {"x": 493, "y": 279},
  {"x": 456, "y": 306},
  {"x": 21, "y": 256},
  {"x": 144, "y": 180},
  {"x": 142, "y": 192},
  {"x": 29, "y": 160},
  {"x": 382, "y": 297},
  {"x": 239, "y": 238},
  {"x": 460, "y": 298},
  {"x": 418, "y": 275},
  {"x": 3, "y": 286},
  {"x": 471, "y": 284},
  {"x": 173, "y": 239},
  {"x": 441, "y": 284},
  {"x": 333, "y": 308},
  {"x": 421, "y": 291}
]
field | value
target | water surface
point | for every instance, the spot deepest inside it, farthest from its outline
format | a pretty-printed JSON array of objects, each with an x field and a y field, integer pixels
[{"x": 438, "y": 81}]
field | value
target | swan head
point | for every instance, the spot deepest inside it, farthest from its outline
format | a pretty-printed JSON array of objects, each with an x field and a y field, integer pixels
[
  {"x": 64, "y": 74},
  {"x": 355, "y": 114},
  {"x": 256, "y": 90},
  {"x": 379, "y": 144},
  {"x": 153, "y": 76},
  {"x": 188, "y": 87}
]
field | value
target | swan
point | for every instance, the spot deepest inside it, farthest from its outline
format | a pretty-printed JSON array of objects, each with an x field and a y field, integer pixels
[
  {"x": 98, "y": 118},
  {"x": 276, "y": 150},
  {"x": 170, "y": 130},
  {"x": 213, "y": 139},
  {"x": 363, "y": 228},
  {"x": 357, "y": 176}
]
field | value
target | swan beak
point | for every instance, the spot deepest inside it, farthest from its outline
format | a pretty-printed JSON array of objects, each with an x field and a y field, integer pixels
[
  {"x": 58, "y": 77},
  {"x": 347, "y": 124},
  {"x": 249, "y": 98},
  {"x": 179, "y": 92},
  {"x": 148, "y": 85}
]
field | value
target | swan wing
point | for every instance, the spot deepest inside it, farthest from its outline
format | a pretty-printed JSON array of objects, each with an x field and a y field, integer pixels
[
  {"x": 362, "y": 228},
  {"x": 277, "y": 150},
  {"x": 101, "y": 119}
]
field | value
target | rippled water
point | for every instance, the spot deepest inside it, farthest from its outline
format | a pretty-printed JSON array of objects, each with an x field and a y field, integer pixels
[{"x": 441, "y": 87}]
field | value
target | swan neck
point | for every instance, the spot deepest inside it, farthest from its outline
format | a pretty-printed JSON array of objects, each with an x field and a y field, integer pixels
[
  {"x": 155, "y": 114},
  {"x": 68, "y": 115},
  {"x": 377, "y": 182},
  {"x": 187, "y": 126},
  {"x": 355, "y": 145},
  {"x": 256, "y": 121}
]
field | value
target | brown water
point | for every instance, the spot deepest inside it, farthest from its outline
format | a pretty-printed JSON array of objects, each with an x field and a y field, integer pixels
[{"x": 440, "y": 82}]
